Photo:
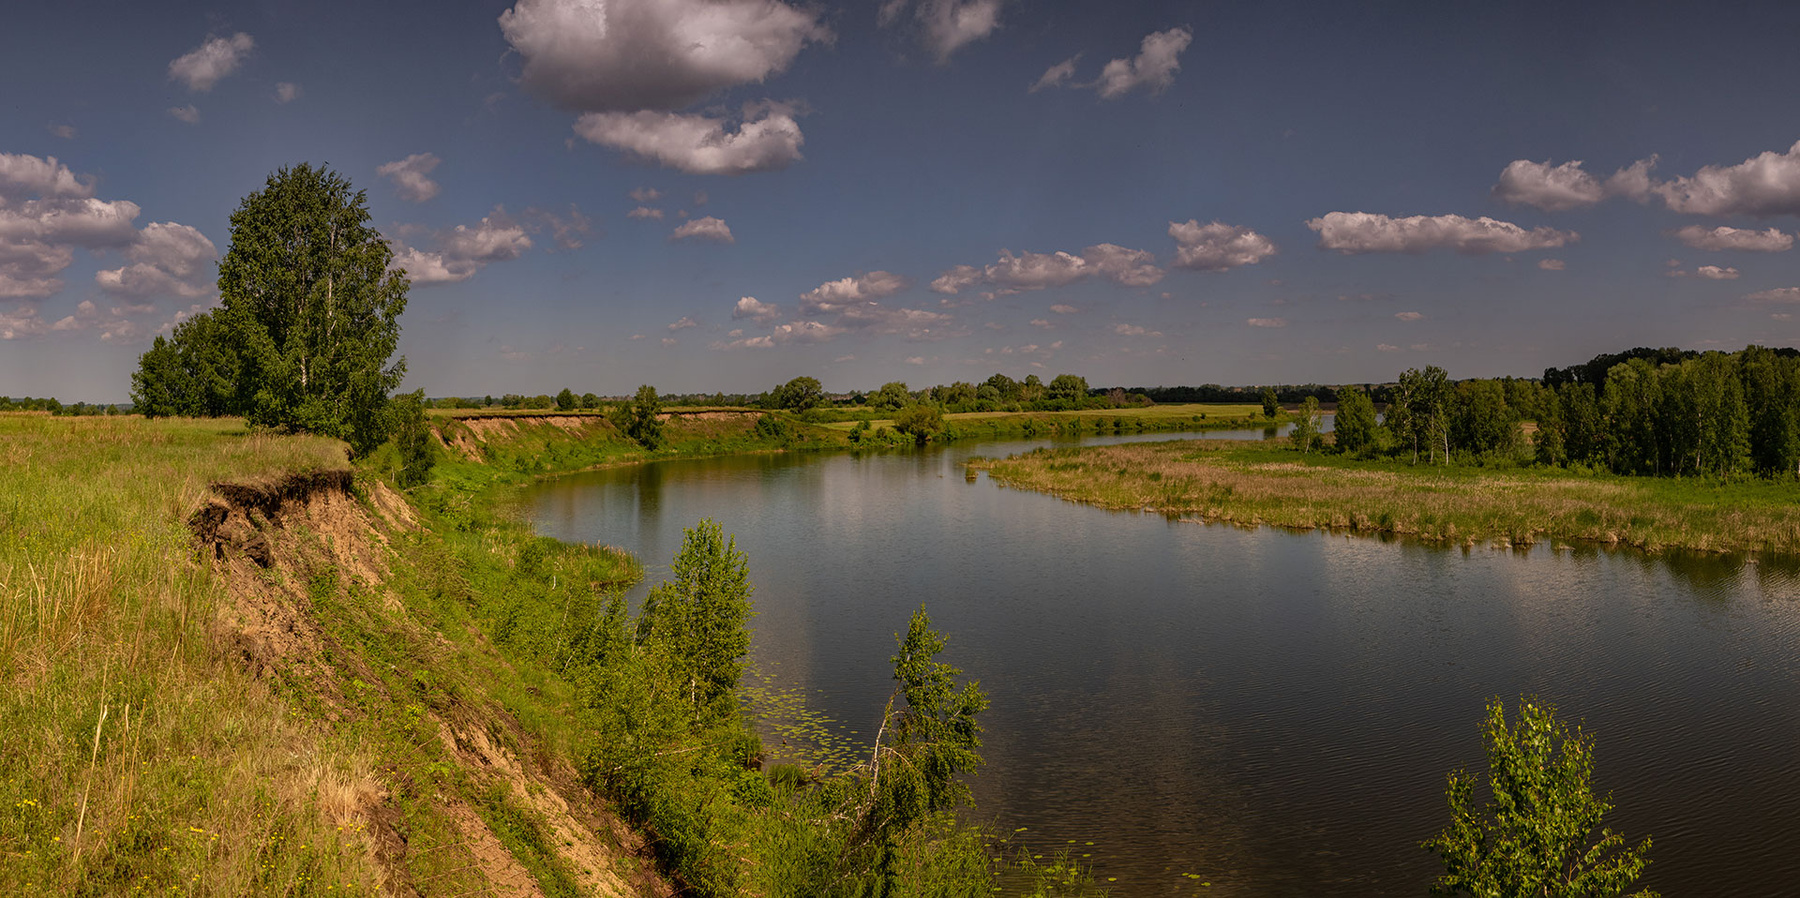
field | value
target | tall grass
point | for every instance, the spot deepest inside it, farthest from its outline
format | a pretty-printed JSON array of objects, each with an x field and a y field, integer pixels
[
  {"x": 1252, "y": 484},
  {"x": 133, "y": 758}
]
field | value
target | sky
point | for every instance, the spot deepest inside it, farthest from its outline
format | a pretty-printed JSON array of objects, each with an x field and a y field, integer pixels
[{"x": 721, "y": 195}]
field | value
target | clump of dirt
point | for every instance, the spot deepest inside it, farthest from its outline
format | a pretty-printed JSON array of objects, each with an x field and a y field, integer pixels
[{"x": 276, "y": 544}]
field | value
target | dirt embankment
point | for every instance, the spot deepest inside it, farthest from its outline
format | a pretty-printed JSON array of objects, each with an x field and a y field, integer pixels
[{"x": 286, "y": 546}]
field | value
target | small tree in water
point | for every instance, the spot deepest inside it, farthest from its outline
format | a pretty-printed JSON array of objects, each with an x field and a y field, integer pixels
[{"x": 1540, "y": 834}]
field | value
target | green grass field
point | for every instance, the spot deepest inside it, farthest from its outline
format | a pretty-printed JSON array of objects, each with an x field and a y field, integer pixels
[{"x": 1261, "y": 484}]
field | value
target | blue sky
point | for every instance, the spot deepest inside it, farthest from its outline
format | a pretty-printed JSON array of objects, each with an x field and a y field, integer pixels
[{"x": 725, "y": 194}]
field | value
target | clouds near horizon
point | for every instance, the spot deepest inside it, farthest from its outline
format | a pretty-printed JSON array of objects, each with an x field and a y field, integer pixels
[{"x": 1365, "y": 232}]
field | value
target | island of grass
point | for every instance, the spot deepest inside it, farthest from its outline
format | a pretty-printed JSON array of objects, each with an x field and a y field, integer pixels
[{"x": 1252, "y": 484}]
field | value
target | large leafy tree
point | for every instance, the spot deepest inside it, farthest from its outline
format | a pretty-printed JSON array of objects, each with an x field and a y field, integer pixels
[
  {"x": 1355, "y": 426},
  {"x": 697, "y": 618},
  {"x": 1540, "y": 833},
  {"x": 313, "y": 308}
]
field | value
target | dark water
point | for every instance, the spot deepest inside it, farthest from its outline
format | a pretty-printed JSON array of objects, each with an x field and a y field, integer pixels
[{"x": 1274, "y": 712}]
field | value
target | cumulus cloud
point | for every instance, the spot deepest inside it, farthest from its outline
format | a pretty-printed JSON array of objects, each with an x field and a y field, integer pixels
[
  {"x": 1556, "y": 188},
  {"x": 1723, "y": 238},
  {"x": 708, "y": 228},
  {"x": 21, "y": 322},
  {"x": 755, "y": 310},
  {"x": 684, "y": 323},
  {"x": 1061, "y": 309},
  {"x": 463, "y": 250},
  {"x": 1158, "y": 59},
  {"x": 1365, "y": 232},
  {"x": 1057, "y": 75},
  {"x": 22, "y": 176},
  {"x": 167, "y": 259},
  {"x": 767, "y": 139},
  {"x": 835, "y": 296},
  {"x": 631, "y": 55},
  {"x": 1217, "y": 246},
  {"x": 642, "y": 212},
  {"x": 1386, "y": 347},
  {"x": 287, "y": 92},
  {"x": 1766, "y": 184},
  {"x": 204, "y": 66},
  {"x": 1715, "y": 273},
  {"x": 411, "y": 176},
  {"x": 1409, "y": 316},
  {"x": 1779, "y": 294},
  {"x": 1552, "y": 264},
  {"x": 46, "y": 213},
  {"x": 945, "y": 26},
  {"x": 189, "y": 113},
  {"x": 1131, "y": 267},
  {"x": 1133, "y": 330},
  {"x": 1267, "y": 322}
]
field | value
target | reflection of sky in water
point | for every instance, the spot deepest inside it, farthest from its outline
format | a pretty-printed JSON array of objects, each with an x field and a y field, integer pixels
[{"x": 1272, "y": 711}]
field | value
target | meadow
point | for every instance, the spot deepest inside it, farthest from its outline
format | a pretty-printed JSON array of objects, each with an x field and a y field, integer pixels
[{"x": 1252, "y": 484}]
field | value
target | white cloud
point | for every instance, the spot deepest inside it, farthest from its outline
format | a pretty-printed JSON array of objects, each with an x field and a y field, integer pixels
[
  {"x": 189, "y": 113},
  {"x": 1779, "y": 294},
  {"x": 685, "y": 322},
  {"x": 1267, "y": 322},
  {"x": 1409, "y": 316},
  {"x": 915, "y": 360},
  {"x": 1723, "y": 238},
  {"x": 768, "y": 139},
  {"x": 288, "y": 92},
  {"x": 945, "y": 26},
  {"x": 1552, "y": 264},
  {"x": 566, "y": 231},
  {"x": 1386, "y": 347},
  {"x": 203, "y": 67},
  {"x": 167, "y": 259},
  {"x": 1132, "y": 330},
  {"x": 1217, "y": 246},
  {"x": 1061, "y": 309},
  {"x": 1131, "y": 267},
  {"x": 22, "y": 176},
  {"x": 756, "y": 310},
  {"x": 1041, "y": 322},
  {"x": 21, "y": 322},
  {"x": 642, "y": 212},
  {"x": 644, "y": 194},
  {"x": 1364, "y": 232},
  {"x": 1158, "y": 59},
  {"x": 1556, "y": 188},
  {"x": 835, "y": 296},
  {"x": 631, "y": 55},
  {"x": 66, "y": 132},
  {"x": 1767, "y": 184},
  {"x": 1056, "y": 75},
  {"x": 464, "y": 250},
  {"x": 953, "y": 280},
  {"x": 708, "y": 228},
  {"x": 411, "y": 176},
  {"x": 669, "y": 341},
  {"x": 1036, "y": 271},
  {"x": 1715, "y": 273}
]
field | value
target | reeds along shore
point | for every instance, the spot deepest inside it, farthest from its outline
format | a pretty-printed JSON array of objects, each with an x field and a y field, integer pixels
[{"x": 1251, "y": 484}]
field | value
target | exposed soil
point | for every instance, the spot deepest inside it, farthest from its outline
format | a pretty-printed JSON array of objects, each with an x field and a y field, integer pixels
[{"x": 270, "y": 541}]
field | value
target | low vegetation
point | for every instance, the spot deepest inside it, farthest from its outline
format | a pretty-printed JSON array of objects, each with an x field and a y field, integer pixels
[{"x": 1235, "y": 482}]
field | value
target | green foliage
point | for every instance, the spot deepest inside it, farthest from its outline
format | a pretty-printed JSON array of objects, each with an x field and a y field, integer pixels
[
  {"x": 1306, "y": 430},
  {"x": 695, "y": 621},
  {"x": 412, "y": 437},
  {"x": 1067, "y": 387},
  {"x": 1270, "y": 405},
  {"x": 892, "y": 396},
  {"x": 566, "y": 401},
  {"x": 920, "y": 421},
  {"x": 637, "y": 418},
  {"x": 1355, "y": 425},
  {"x": 1540, "y": 833},
  {"x": 797, "y": 395}
]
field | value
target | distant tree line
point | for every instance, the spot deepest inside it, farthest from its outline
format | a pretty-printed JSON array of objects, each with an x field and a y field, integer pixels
[
  {"x": 1663, "y": 412},
  {"x": 51, "y": 405}
]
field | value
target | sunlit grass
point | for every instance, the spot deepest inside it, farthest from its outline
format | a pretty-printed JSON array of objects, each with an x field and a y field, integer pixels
[
  {"x": 132, "y": 758},
  {"x": 1253, "y": 484}
]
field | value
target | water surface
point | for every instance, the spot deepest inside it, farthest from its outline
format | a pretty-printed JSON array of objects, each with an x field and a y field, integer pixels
[{"x": 1272, "y": 711}]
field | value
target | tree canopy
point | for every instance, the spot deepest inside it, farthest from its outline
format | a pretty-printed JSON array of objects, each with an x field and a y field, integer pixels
[{"x": 307, "y": 324}]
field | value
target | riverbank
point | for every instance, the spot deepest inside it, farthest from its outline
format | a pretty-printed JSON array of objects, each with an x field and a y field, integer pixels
[
  {"x": 1181, "y": 418},
  {"x": 232, "y": 663},
  {"x": 1249, "y": 484}
]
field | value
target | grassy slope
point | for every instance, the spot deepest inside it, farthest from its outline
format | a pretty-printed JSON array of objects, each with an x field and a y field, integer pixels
[
  {"x": 133, "y": 755},
  {"x": 1255, "y": 484}
]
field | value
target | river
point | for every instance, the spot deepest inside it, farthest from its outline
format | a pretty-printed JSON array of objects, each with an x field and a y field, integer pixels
[{"x": 1271, "y": 712}]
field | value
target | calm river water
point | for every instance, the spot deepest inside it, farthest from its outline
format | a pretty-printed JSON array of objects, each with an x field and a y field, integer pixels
[{"x": 1273, "y": 712}]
